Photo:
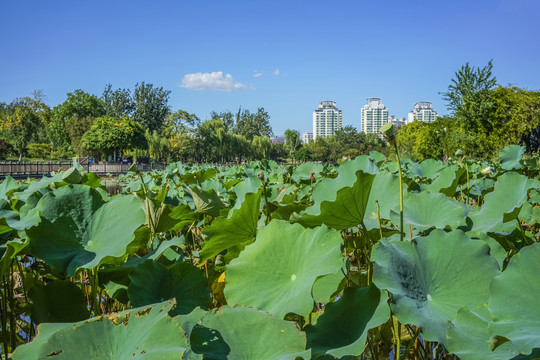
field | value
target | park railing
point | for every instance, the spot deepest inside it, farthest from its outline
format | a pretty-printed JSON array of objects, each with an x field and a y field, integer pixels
[{"x": 40, "y": 169}]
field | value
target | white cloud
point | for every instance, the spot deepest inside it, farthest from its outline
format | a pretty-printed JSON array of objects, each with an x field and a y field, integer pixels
[
  {"x": 276, "y": 72},
  {"x": 211, "y": 81},
  {"x": 257, "y": 74}
]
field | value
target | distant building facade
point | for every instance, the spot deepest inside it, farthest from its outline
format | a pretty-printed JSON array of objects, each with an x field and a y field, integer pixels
[
  {"x": 398, "y": 123},
  {"x": 327, "y": 119},
  {"x": 374, "y": 115},
  {"x": 422, "y": 111},
  {"x": 307, "y": 137},
  {"x": 278, "y": 139}
]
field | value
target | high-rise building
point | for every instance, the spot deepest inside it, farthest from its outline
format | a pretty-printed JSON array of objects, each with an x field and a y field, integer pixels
[
  {"x": 422, "y": 112},
  {"x": 374, "y": 115},
  {"x": 307, "y": 137},
  {"x": 327, "y": 119}
]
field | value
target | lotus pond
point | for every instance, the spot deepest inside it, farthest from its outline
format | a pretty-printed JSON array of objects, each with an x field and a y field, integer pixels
[{"x": 263, "y": 261}]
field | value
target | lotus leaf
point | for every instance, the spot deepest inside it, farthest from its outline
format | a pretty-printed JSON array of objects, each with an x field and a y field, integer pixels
[
  {"x": 238, "y": 228},
  {"x": 425, "y": 210},
  {"x": 341, "y": 203},
  {"x": 244, "y": 333},
  {"x": 152, "y": 282},
  {"x": 343, "y": 328},
  {"x": 511, "y": 156},
  {"x": 508, "y": 196},
  {"x": 58, "y": 301},
  {"x": 276, "y": 273},
  {"x": 206, "y": 202},
  {"x": 428, "y": 168},
  {"x": 432, "y": 278},
  {"x": 468, "y": 337},
  {"x": 513, "y": 301},
  {"x": 144, "y": 333},
  {"x": 78, "y": 231},
  {"x": 385, "y": 192}
]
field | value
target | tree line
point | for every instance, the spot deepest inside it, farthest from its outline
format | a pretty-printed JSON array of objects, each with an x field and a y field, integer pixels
[
  {"x": 140, "y": 124},
  {"x": 484, "y": 118}
]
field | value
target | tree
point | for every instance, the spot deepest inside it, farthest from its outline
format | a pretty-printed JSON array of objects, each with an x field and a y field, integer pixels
[
  {"x": 292, "y": 141},
  {"x": 470, "y": 86},
  {"x": 150, "y": 106},
  {"x": 118, "y": 103},
  {"x": 253, "y": 124},
  {"x": 21, "y": 121},
  {"x": 261, "y": 147},
  {"x": 78, "y": 104},
  {"x": 319, "y": 149},
  {"x": 111, "y": 136}
]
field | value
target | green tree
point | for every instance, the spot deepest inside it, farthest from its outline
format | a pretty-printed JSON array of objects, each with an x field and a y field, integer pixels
[
  {"x": 78, "y": 104},
  {"x": 111, "y": 136},
  {"x": 23, "y": 120},
  {"x": 118, "y": 103},
  {"x": 151, "y": 106},
  {"x": 253, "y": 124},
  {"x": 319, "y": 149},
  {"x": 261, "y": 147},
  {"x": 293, "y": 142}
]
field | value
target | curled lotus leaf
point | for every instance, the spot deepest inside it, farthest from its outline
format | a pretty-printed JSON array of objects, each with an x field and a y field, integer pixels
[
  {"x": 78, "y": 230},
  {"x": 342, "y": 329},
  {"x": 142, "y": 333},
  {"x": 274, "y": 274},
  {"x": 430, "y": 279},
  {"x": 341, "y": 203}
]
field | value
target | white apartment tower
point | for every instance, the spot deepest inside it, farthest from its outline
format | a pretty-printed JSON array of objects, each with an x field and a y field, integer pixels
[
  {"x": 374, "y": 115},
  {"x": 422, "y": 112},
  {"x": 327, "y": 119}
]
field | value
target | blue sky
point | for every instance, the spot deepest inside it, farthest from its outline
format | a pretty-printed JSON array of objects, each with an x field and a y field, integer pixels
[{"x": 285, "y": 56}]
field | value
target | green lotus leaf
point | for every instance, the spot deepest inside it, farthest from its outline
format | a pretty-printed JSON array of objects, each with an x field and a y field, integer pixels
[
  {"x": 480, "y": 187},
  {"x": 377, "y": 157},
  {"x": 78, "y": 231},
  {"x": 425, "y": 210},
  {"x": 250, "y": 184},
  {"x": 305, "y": 170},
  {"x": 507, "y": 197},
  {"x": 144, "y": 333},
  {"x": 341, "y": 203},
  {"x": 428, "y": 168},
  {"x": 206, "y": 202},
  {"x": 275, "y": 273},
  {"x": 433, "y": 277},
  {"x": 244, "y": 333},
  {"x": 447, "y": 181},
  {"x": 469, "y": 338},
  {"x": 511, "y": 156},
  {"x": 115, "y": 278},
  {"x": 513, "y": 301},
  {"x": 7, "y": 186},
  {"x": 326, "y": 286},
  {"x": 343, "y": 328},
  {"x": 72, "y": 176},
  {"x": 152, "y": 282},
  {"x": 58, "y": 301},
  {"x": 8, "y": 252},
  {"x": 385, "y": 192},
  {"x": 238, "y": 228}
]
